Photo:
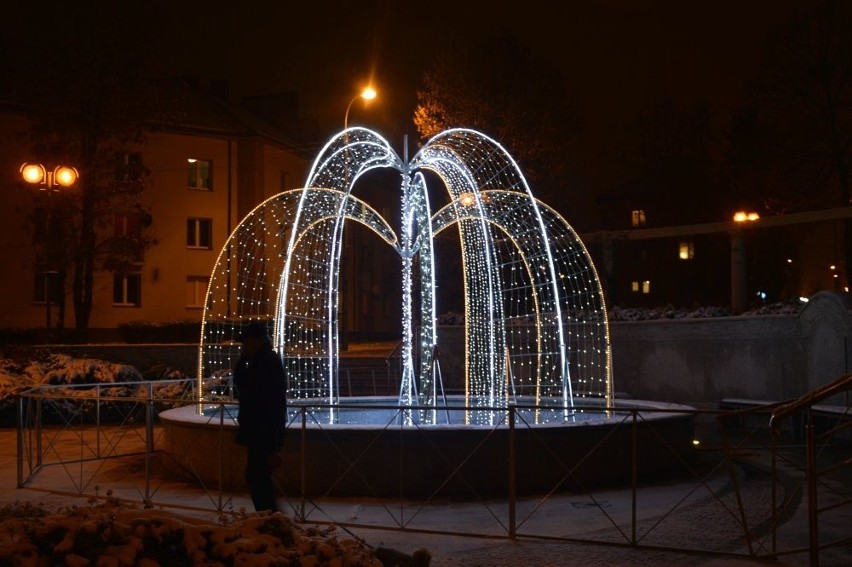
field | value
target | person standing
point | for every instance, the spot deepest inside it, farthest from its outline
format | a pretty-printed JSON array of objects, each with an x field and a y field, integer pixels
[{"x": 261, "y": 389}]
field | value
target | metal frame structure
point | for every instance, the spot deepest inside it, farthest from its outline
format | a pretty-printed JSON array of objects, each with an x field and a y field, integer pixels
[{"x": 536, "y": 328}]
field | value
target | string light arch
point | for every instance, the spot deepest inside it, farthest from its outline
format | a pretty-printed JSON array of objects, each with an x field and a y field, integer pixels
[{"x": 536, "y": 330}]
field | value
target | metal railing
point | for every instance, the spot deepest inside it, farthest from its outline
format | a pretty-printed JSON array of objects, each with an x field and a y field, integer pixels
[
  {"x": 815, "y": 442},
  {"x": 743, "y": 489}
]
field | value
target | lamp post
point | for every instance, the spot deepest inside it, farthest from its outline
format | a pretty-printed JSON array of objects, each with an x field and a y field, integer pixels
[
  {"x": 50, "y": 182},
  {"x": 367, "y": 94},
  {"x": 739, "y": 285}
]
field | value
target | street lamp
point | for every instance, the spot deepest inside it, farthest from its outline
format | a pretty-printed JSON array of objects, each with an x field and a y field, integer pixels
[
  {"x": 738, "y": 260},
  {"x": 367, "y": 94},
  {"x": 743, "y": 216},
  {"x": 49, "y": 181}
]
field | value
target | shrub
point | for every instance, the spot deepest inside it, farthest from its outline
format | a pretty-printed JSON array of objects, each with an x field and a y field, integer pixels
[{"x": 138, "y": 332}]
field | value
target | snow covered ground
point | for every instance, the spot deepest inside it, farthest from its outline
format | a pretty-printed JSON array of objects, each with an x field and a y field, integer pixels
[
  {"x": 617, "y": 313},
  {"x": 668, "y": 312},
  {"x": 113, "y": 534}
]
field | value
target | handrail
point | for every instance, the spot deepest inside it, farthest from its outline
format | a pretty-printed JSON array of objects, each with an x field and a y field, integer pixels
[
  {"x": 810, "y": 398},
  {"x": 393, "y": 352}
]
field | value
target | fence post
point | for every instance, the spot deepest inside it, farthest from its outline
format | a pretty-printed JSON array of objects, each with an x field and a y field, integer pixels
[
  {"x": 20, "y": 442},
  {"x": 302, "y": 465},
  {"x": 149, "y": 443},
  {"x": 634, "y": 475},
  {"x": 813, "y": 530},
  {"x": 774, "y": 477},
  {"x": 39, "y": 459},
  {"x": 98, "y": 420},
  {"x": 512, "y": 472},
  {"x": 221, "y": 452}
]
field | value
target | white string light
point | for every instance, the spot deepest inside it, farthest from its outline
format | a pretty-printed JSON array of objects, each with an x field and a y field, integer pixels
[{"x": 536, "y": 330}]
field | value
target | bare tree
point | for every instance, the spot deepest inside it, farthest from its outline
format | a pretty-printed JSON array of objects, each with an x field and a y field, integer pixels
[
  {"x": 88, "y": 92},
  {"x": 503, "y": 90},
  {"x": 669, "y": 153},
  {"x": 791, "y": 143}
]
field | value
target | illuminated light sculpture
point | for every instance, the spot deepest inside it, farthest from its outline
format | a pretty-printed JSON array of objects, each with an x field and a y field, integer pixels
[{"x": 536, "y": 330}]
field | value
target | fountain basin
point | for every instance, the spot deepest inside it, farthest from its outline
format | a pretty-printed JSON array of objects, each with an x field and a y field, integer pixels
[{"x": 365, "y": 449}]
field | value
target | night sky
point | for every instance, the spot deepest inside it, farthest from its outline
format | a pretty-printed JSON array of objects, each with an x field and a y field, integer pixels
[{"x": 618, "y": 57}]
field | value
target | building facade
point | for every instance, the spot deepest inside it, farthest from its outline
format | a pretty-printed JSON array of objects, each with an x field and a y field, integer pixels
[
  {"x": 206, "y": 172},
  {"x": 737, "y": 264}
]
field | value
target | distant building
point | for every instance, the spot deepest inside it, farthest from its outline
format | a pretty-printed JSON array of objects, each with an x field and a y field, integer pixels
[
  {"x": 209, "y": 169},
  {"x": 643, "y": 263}
]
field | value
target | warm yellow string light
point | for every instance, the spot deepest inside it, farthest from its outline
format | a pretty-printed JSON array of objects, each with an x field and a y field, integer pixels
[{"x": 536, "y": 327}]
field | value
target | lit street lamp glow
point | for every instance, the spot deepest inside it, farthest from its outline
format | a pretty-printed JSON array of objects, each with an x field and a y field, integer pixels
[
  {"x": 32, "y": 173},
  {"x": 368, "y": 94},
  {"x": 49, "y": 181},
  {"x": 37, "y": 174},
  {"x": 742, "y": 216}
]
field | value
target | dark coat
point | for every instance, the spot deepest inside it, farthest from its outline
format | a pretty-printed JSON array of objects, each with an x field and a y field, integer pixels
[{"x": 262, "y": 392}]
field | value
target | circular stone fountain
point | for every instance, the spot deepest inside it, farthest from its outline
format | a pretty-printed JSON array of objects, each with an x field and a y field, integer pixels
[
  {"x": 536, "y": 338},
  {"x": 371, "y": 453}
]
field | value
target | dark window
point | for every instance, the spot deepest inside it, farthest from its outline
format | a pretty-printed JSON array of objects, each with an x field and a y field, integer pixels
[
  {"x": 128, "y": 224},
  {"x": 127, "y": 290},
  {"x": 42, "y": 281},
  {"x": 40, "y": 217},
  {"x": 199, "y": 233},
  {"x": 129, "y": 167}
]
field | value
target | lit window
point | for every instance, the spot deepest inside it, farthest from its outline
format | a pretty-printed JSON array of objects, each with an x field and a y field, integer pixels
[
  {"x": 638, "y": 218},
  {"x": 200, "y": 174},
  {"x": 643, "y": 286},
  {"x": 686, "y": 251},
  {"x": 196, "y": 290},
  {"x": 127, "y": 290},
  {"x": 199, "y": 233}
]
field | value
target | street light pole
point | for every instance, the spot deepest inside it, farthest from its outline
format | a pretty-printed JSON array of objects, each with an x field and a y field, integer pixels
[
  {"x": 49, "y": 181},
  {"x": 739, "y": 283},
  {"x": 367, "y": 94}
]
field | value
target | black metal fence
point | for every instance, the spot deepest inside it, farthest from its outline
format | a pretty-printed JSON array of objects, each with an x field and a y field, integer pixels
[{"x": 767, "y": 481}]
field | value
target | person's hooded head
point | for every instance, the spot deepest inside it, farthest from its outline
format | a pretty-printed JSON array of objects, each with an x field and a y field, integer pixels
[{"x": 254, "y": 336}]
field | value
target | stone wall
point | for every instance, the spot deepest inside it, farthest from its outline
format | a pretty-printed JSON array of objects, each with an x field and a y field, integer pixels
[
  {"x": 700, "y": 361},
  {"x": 691, "y": 361}
]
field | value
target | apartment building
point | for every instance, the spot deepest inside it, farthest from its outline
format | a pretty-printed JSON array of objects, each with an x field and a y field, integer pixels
[{"x": 207, "y": 171}]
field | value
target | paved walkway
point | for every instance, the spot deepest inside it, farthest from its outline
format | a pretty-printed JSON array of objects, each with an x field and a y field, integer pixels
[{"x": 673, "y": 515}]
